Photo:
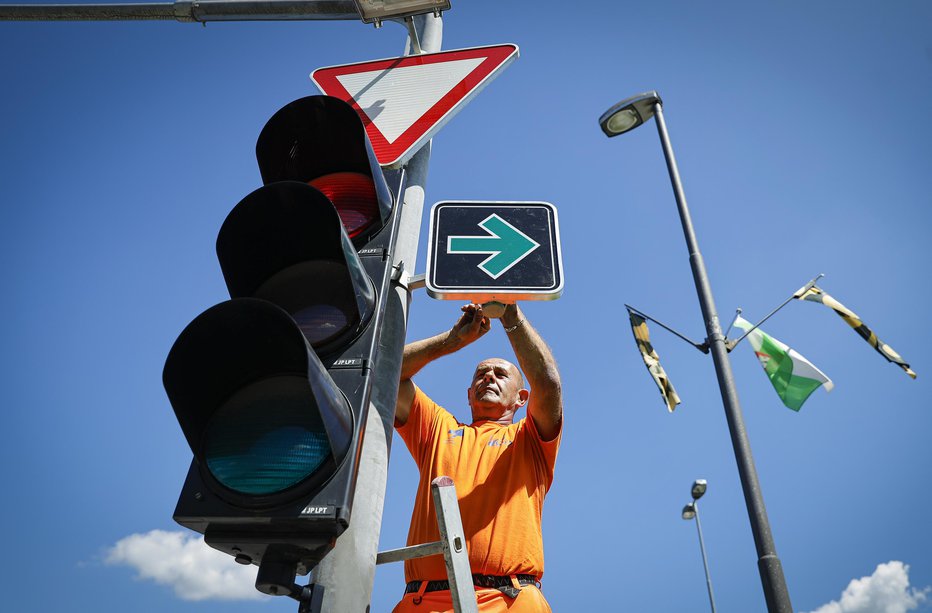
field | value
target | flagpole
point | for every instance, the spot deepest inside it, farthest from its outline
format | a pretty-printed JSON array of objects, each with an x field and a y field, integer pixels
[
  {"x": 732, "y": 344},
  {"x": 738, "y": 312},
  {"x": 771, "y": 571}
]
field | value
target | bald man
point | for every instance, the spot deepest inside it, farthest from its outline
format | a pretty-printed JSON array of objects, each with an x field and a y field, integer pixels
[{"x": 502, "y": 469}]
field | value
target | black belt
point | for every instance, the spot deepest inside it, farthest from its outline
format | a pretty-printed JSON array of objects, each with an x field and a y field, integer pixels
[{"x": 491, "y": 581}]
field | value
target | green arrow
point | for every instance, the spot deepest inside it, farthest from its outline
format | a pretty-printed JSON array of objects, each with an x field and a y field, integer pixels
[{"x": 507, "y": 245}]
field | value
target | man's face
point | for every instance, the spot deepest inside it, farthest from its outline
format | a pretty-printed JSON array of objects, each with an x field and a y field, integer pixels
[{"x": 496, "y": 390}]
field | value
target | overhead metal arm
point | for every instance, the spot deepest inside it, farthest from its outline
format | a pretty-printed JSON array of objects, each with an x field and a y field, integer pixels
[{"x": 186, "y": 11}]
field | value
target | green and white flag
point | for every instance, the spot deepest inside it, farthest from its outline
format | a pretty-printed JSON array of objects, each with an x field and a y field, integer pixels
[{"x": 793, "y": 376}]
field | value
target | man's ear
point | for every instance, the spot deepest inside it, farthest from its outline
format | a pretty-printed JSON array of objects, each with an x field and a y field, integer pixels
[{"x": 523, "y": 395}]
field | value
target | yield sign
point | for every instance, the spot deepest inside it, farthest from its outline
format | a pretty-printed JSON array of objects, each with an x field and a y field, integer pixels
[{"x": 404, "y": 101}]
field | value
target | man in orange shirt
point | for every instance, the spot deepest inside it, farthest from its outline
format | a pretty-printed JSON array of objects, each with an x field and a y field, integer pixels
[{"x": 502, "y": 469}]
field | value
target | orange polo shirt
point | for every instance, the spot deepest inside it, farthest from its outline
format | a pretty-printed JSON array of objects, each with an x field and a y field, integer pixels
[{"x": 501, "y": 473}]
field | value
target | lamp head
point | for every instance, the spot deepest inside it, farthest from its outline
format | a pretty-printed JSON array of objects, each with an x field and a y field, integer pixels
[
  {"x": 375, "y": 11},
  {"x": 699, "y": 488},
  {"x": 629, "y": 113},
  {"x": 689, "y": 511}
]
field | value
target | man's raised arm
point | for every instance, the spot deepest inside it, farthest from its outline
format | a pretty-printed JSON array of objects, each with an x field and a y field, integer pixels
[
  {"x": 470, "y": 326},
  {"x": 546, "y": 402}
]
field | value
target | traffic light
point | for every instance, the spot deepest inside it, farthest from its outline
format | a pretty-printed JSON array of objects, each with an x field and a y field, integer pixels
[{"x": 272, "y": 387}]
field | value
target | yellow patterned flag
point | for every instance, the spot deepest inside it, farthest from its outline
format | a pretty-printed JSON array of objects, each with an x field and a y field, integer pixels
[
  {"x": 652, "y": 360},
  {"x": 814, "y": 294}
]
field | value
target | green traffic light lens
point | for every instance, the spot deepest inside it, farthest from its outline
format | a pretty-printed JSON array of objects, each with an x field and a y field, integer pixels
[{"x": 266, "y": 438}]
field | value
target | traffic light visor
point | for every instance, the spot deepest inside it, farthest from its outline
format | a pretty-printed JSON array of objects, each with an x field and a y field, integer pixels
[
  {"x": 318, "y": 297},
  {"x": 322, "y": 138},
  {"x": 258, "y": 409},
  {"x": 285, "y": 243}
]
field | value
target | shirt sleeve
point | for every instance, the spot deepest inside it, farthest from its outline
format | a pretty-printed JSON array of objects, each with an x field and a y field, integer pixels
[
  {"x": 420, "y": 431},
  {"x": 546, "y": 451}
]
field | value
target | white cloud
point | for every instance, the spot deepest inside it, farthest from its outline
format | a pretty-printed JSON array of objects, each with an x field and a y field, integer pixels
[
  {"x": 886, "y": 591},
  {"x": 188, "y": 565}
]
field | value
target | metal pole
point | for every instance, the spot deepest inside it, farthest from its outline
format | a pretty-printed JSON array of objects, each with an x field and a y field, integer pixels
[
  {"x": 185, "y": 11},
  {"x": 705, "y": 561},
  {"x": 347, "y": 573},
  {"x": 768, "y": 564}
]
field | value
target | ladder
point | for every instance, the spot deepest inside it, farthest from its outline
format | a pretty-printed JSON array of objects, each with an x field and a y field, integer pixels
[{"x": 452, "y": 545}]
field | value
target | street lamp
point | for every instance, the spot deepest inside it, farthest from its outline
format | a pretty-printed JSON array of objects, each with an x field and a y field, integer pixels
[
  {"x": 623, "y": 117},
  {"x": 691, "y": 511},
  {"x": 698, "y": 489},
  {"x": 374, "y": 11}
]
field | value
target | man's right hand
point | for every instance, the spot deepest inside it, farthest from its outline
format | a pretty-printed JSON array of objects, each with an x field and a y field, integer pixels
[{"x": 471, "y": 325}]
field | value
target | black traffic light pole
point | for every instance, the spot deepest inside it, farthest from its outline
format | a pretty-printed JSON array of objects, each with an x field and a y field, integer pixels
[{"x": 286, "y": 392}]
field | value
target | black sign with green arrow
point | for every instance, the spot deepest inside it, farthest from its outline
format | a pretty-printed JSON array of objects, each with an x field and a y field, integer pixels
[{"x": 504, "y": 251}]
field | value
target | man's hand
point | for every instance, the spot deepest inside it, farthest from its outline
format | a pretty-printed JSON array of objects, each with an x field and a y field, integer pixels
[
  {"x": 471, "y": 325},
  {"x": 510, "y": 317}
]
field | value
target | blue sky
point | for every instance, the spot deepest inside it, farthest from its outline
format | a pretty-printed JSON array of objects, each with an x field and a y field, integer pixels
[{"x": 802, "y": 130}]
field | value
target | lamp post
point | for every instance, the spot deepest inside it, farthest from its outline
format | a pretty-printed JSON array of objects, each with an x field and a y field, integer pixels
[
  {"x": 623, "y": 117},
  {"x": 691, "y": 511}
]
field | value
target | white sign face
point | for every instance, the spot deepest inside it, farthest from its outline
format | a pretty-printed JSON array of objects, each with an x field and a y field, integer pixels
[
  {"x": 373, "y": 92},
  {"x": 404, "y": 101}
]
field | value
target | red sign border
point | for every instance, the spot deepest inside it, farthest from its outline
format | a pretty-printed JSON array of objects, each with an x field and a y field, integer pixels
[{"x": 494, "y": 56}]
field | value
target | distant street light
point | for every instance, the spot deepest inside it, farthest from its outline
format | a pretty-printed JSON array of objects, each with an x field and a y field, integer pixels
[
  {"x": 691, "y": 511},
  {"x": 623, "y": 117},
  {"x": 698, "y": 489}
]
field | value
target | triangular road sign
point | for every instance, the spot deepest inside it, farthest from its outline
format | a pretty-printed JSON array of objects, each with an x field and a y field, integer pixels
[{"x": 404, "y": 101}]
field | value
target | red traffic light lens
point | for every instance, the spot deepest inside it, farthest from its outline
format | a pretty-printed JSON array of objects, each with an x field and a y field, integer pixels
[{"x": 353, "y": 196}]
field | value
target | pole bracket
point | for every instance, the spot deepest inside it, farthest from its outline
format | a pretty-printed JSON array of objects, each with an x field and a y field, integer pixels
[{"x": 310, "y": 597}]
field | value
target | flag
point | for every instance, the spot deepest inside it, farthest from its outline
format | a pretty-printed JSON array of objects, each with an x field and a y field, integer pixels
[
  {"x": 793, "y": 376},
  {"x": 814, "y": 294},
  {"x": 652, "y": 360}
]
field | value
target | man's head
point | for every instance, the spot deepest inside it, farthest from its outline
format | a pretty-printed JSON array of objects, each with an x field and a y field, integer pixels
[{"x": 496, "y": 391}]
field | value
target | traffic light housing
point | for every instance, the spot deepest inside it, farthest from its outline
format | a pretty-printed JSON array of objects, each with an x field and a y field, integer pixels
[{"x": 272, "y": 387}]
